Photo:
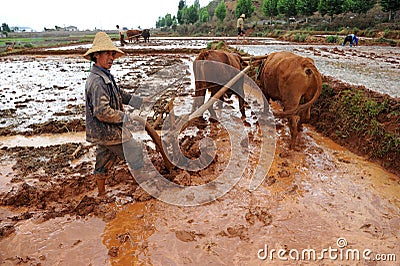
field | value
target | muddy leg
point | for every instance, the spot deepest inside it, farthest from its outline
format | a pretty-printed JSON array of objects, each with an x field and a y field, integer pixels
[
  {"x": 293, "y": 124},
  {"x": 105, "y": 159},
  {"x": 101, "y": 187}
]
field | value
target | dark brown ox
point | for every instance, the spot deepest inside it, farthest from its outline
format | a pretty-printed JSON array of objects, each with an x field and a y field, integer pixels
[
  {"x": 134, "y": 34},
  {"x": 295, "y": 82},
  {"x": 212, "y": 77},
  {"x": 146, "y": 35}
]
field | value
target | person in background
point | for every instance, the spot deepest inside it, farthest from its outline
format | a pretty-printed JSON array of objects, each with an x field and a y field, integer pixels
[
  {"x": 352, "y": 38},
  {"x": 105, "y": 113},
  {"x": 240, "y": 27},
  {"x": 121, "y": 36}
]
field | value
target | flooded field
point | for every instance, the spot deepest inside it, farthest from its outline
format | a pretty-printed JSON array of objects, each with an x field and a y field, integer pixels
[
  {"x": 317, "y": 205},
  {"x": 376, "y": 68}
]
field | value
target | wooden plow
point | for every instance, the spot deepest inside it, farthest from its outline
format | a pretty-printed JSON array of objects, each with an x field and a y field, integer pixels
[
  {"x": 178, "y": 123},
  {"x": 137, "y": 36}
]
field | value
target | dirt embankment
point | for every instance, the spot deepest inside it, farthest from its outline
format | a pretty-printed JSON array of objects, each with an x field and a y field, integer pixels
[{"x": 364, "y": 121}]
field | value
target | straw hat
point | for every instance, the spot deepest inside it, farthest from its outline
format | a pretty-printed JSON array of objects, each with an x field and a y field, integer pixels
[
  {"x": 102, "y": 42},
  {"x": 243, "y": 16}
]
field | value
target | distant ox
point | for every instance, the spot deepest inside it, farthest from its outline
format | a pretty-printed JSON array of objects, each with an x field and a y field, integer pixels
[
  {"x": 146, "y": 35},
  {"x": 295, "y": 82},
  {"x": 137, "y": 34}
]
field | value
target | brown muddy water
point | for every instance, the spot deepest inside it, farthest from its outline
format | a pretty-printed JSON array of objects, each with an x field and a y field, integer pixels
[{"x": 318, "y": 198}]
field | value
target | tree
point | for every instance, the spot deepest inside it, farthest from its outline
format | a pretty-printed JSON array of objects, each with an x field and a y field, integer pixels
[
  {"x": 204, "y": 16},
  {"x": 244, "y": 7},
  {"x": 390, "y": 6},
  {"x": 220, "y": 11},
  {"x": 182, "y": 4},
  {"x": 192, "y": 14},
  {"x": 180, "y": 16},
  {"x": 196, "y": 4},
  {"x": 269, "y": 8},
  {"x": 168, "y": 20},
  {"x": 287, "y": 7},
  {"x": 5, "y": 27},
  {"x": 359, "y": 6},
  {"x": 306, "y": 7},
  {"x": 330, "y": 7},
  {"x": 161, "y": 22}
]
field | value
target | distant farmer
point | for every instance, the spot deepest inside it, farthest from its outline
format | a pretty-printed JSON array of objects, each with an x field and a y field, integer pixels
[
  {"x": 352, "y": 38},
  {"x": 105, "y": 113},
  {"x": 121, "y": 36},
  {"x": 240, "y": 27}
]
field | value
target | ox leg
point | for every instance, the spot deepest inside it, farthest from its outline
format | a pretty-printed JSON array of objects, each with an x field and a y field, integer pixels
[
  {"x": 239, "y": 91},
  {"x": 294, "y": 129},
  {"x": 242, "y": 107},
  {"x": 199, "y": 94}
]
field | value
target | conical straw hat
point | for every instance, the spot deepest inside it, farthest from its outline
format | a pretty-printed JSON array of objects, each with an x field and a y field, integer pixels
[{"x": 102, "y": 42}]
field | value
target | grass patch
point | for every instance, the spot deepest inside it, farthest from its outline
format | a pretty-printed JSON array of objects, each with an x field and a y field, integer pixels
[{"x": 364, "y": 121}]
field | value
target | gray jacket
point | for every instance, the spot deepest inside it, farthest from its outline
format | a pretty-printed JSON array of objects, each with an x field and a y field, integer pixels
[{"x": 105, "y": 110}]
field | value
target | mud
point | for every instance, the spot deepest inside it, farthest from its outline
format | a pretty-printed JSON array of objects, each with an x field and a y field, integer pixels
[{"x": 50, "y": 213}]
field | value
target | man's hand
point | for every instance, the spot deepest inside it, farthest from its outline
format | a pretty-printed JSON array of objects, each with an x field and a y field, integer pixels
[{"x": 130, "y": 119}]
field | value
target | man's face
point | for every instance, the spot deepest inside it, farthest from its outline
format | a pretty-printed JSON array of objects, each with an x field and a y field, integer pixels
[{"x": 105, "y": 59}]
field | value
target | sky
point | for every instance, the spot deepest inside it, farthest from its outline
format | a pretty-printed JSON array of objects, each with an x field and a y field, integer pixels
[{"x": 84, "y": 14}]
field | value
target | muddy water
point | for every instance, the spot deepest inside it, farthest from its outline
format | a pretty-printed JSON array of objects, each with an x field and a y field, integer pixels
[
  {"x": 61, "y": 241},
  {"x": 42, "y": 140},
  {"x": 376, "y": 68},
  {"x": 39, "y": 89},
  {"x": 309, "y": 201}
]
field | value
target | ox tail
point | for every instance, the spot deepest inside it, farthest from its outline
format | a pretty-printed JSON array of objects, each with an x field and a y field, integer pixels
[{"x": 302, "y": 107}]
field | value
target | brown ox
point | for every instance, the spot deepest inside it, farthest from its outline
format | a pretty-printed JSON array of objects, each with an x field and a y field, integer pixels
[
  {"x": 291, "y": 79},
  {"x": 133, "y": 34},
  {"x": 212, "y": 77}
]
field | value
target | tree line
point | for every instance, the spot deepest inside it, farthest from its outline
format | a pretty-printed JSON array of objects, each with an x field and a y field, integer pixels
[
  {"x": 194, "y": 13},
  {"x": 306, "y": 8},
  {"x": 272, "y": 8}
]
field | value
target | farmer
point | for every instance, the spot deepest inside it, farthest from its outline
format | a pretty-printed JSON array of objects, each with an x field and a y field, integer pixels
[
  {"x": 352, "y": 38},
  {"x": 121, "y": 36},
  {"x": 240, "y": 27},
  {"x": 105, "y": 113}
]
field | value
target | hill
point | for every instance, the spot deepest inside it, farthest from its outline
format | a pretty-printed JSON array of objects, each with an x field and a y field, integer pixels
[{"x": 374, "y": 23}]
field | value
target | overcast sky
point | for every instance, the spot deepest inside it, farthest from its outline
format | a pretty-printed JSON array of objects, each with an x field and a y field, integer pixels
[{"x": 85, "y": 14}]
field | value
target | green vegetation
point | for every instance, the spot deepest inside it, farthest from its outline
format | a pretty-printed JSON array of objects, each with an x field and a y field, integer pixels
[
  {"x": 364, "y": 17},
  {"x": 365, "y": 119},
  {"x": 332, "y": 39},
  {"x": 300, "y": 37},
  {"x": 220, "y": 11}
]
